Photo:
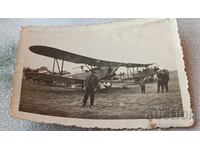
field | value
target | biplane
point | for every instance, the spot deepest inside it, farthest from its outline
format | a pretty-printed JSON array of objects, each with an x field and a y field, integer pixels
[{"x": 104, "y": 70}]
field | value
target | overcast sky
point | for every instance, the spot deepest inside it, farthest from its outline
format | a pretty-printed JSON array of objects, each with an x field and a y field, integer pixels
[{"x": 129, "y": 41}]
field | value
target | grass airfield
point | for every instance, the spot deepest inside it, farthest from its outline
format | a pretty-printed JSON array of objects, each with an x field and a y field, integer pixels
[{"x": 116, "y": 103}]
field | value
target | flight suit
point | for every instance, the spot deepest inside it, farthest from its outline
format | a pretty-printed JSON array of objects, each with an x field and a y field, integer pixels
[{"x": 90, "y": 85}]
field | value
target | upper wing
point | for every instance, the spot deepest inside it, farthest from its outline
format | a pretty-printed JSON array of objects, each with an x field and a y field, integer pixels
[{"x": 75, "y": 58}]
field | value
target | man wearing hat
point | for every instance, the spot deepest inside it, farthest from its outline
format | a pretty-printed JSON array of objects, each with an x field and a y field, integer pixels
[{"x": 90, "y": 87}]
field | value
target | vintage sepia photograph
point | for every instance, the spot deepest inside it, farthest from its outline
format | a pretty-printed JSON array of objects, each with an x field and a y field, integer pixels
[{"x": 125, "y": 74}]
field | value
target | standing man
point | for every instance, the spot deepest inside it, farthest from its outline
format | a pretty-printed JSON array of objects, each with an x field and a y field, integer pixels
[
  {"x": 142, "y": 85},
  {"x": 90, "y": 87},
  {"x": 160, "y": 81},
  {"x": 165, "y": 79}
]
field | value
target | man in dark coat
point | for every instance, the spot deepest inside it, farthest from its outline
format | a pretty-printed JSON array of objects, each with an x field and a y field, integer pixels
[
  {"x": 90, "y": 87},
  {"x": 160, "y": 81},
  {"x": 163, "y": 79}
]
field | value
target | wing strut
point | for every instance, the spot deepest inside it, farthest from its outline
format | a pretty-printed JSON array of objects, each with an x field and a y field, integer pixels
[
  {"x": 60, "y": 70},
  {"x": 58, "y": 66},
  {"x": 62, "y": 66},
  {"x": 130, "y": 71},
  {"x": 87, "y": 66},
  {"x": 53, "y": 65}
]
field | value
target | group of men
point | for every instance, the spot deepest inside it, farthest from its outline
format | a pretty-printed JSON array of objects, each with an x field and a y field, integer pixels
[
  {"x": 91, "y": 85},
  {"x": 162, "y": 81}
]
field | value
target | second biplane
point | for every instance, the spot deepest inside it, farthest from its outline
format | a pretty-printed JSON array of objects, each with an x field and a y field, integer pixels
[{"x": 104, "y": 70}]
